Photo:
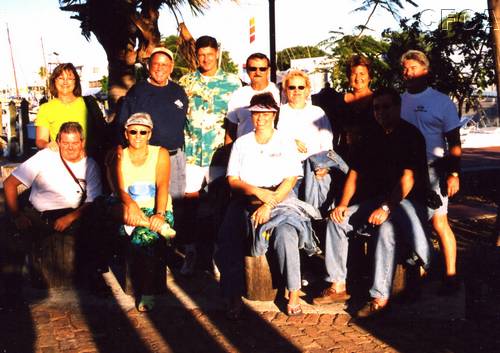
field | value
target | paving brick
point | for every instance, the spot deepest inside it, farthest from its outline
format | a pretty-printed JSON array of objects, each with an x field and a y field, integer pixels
[
  {"x": 303, "y": 341},
  {"x": 47, "y": 341},
  {"x": 295, "y": 320},
  {"x": 280, "y": 319},
  {"x": 64, "y": 334},
  {"x": 292, "y": 331},
  {"x": 317, "y": 350},
  {"x": 268, "y": 315},
  {"x": 67, "y": 345},
  {"x": 314, "y": 332},
  {"x": 326, "y": 342},
  {"x": 326, "y": 320},
  {"x": 311, "y": 319},
  {"x": 53, "y": 349},
  {"x": 341, "y": 320},
  {"x": 60, "y": 323}
]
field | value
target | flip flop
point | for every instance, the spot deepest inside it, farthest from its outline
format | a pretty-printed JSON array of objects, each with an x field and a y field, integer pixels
[{"x": 293, "y": 310}]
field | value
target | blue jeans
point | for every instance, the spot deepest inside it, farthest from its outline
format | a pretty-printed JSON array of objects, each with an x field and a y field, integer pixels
[
  {"x": 285, "y": 242},
  {"x": 177, "y": 175},
  {"x": 407, "y": 225},
  {"x": 230, "y": 250},
  {"x": 337, "y": 244}
]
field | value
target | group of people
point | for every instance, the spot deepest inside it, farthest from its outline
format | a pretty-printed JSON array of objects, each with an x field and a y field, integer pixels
[{"x": 280, "y": 158}]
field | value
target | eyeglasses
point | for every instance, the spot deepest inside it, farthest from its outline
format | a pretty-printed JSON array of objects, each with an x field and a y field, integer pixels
[
  {"x": 260, "y": 69},
  {"x": 62, "y": 79},
  {"x": 292, "y": 88},
  {"x": 134, "y": 132}
]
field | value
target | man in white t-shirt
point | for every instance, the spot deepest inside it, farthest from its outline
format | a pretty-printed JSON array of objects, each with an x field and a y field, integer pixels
[
  {"x": 239, "y": 118},
  {"x": 58, "y": 199},
  {"x": 52, "y": 186},
  {"x": 435, "y": 115}
]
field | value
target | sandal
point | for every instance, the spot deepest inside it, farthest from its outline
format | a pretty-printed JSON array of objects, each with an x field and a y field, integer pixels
[
  {"x": 146, "y": 303},
  {"x": 293, "y": 310}
]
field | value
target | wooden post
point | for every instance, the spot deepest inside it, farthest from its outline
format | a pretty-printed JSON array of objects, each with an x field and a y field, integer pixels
[{"x": 259, "y": 282}]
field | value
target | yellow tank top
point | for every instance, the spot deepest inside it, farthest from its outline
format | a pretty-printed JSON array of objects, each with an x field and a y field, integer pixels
[{"x": 140, "y": 181}]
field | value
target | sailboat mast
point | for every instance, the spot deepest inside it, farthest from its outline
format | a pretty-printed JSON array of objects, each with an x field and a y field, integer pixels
[{"x": 12, "y": 59}]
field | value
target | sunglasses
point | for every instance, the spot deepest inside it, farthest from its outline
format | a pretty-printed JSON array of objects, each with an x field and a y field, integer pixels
[
  {"x": 134, "y": 132},
  {"x": 253, "y": 69},
  {"x": 292, "y": 88}
]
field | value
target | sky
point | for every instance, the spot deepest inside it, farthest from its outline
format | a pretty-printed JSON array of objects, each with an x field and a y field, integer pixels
[{"x": 298, "y": 22}]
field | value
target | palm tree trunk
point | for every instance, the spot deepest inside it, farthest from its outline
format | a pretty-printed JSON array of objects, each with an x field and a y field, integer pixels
[{"x": 494, "y": 12}]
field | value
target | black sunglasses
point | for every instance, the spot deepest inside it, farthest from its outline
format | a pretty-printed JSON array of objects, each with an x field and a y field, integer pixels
[
  {"x": 134, "y": 132},
  {"x": 253, "y": 69},
  {"x": 291, "y": 88}
]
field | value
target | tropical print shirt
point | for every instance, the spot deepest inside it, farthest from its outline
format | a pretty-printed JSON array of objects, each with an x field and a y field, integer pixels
[{"x": 208, "y": 98}]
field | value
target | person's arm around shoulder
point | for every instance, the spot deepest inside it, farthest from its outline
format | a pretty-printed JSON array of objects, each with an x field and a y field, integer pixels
[
  {"x": 42, "y": 133},
  {"x": 162, "y": 183},
  {"x": 231, "y": 131},
  {"x": 10, "y": 189}
]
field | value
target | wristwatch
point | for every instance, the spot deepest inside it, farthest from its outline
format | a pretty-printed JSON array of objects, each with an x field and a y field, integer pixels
[{"x": 385, "y": 207}]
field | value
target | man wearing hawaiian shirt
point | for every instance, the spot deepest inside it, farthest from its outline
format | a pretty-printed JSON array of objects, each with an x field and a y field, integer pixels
[{"x": 209, "y": 90}]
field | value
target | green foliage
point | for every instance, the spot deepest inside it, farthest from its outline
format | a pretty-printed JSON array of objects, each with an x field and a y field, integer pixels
[
  {"x": 460, "y": 52},
  {"x": 181, "y": 67},
  {"x": 284, "y": 56}
]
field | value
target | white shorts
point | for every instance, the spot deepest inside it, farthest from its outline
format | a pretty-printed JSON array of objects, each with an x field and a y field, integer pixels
[{"x": 198, "y": 177}]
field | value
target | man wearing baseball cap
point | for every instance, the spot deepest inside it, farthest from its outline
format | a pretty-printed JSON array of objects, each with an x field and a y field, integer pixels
[{"x": 166, "y": 102}]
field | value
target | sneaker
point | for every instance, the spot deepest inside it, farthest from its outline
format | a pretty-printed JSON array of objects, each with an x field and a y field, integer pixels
[
  {"x": 330, "y": 296},
  {"x": 372, "y": 309},
  {"x": 187, "y": 268}
]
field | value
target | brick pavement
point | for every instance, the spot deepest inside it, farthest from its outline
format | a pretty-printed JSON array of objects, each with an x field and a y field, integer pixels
[{"x": 189, "y": 318}]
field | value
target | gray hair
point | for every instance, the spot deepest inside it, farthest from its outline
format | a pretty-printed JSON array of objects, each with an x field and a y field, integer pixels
[
  {"x": 416, "y": 55},
  {"x": 70, "y": 127}
]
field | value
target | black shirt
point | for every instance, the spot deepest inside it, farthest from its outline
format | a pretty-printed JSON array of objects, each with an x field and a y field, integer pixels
[{"x": 380, "y": 163}]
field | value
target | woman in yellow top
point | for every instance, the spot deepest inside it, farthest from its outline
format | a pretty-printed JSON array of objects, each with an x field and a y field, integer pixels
[
  {"x": 67, "y": 105},
  {"x": 143, "y": 174}
]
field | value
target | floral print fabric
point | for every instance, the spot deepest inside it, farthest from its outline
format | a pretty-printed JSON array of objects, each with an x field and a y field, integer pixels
[{"x": 208, "y": 99}]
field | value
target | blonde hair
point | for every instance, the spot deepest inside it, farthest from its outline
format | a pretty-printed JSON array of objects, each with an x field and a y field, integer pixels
[{"x": 295, "y": 73}]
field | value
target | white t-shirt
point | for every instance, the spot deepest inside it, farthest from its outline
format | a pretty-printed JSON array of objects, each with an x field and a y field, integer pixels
[
  {"x": 237, "y": 107},
  {"x": 434, "y": 114},
  {"x": 309, "y": 125},
  {"x": 264, "y": 165},
  {"x": 52, "y": 187}
]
